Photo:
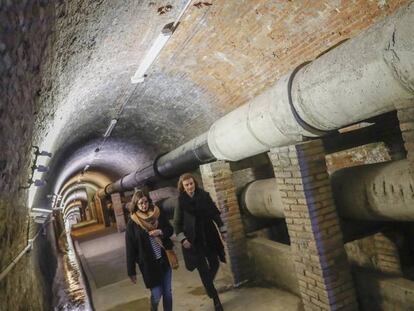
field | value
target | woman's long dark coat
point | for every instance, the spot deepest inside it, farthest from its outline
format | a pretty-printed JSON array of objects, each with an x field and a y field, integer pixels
[
  {"x": 139, "y": 250},
  {"x": 186, "y": 221}
]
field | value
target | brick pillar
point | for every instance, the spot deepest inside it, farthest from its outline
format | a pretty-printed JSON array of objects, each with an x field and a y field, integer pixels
[
  {"x": 388, "y": 259},
  {"x": 119, "y": 212},
  {"x": 99, "y": 210},
  {"x": 93, "y": 210},
  {"x": 217, "y": 180},
  {"x": 318, "y": 251},
  {"x": 406, "y": 118}
]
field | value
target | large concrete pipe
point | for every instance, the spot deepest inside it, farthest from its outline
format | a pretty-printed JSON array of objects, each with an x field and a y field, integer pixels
[
  {"x": 187, "y": 157},
  {"x": 380, "y": 192},
  {"x": 261, "y": 199},
  {"x": 364, "y": 77},
  {"x": 141, "y": 176}
]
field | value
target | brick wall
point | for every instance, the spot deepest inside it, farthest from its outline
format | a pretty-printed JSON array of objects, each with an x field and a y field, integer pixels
[
  {"x": 24, "y": 30},
  {"x": 240, "y": 49}
]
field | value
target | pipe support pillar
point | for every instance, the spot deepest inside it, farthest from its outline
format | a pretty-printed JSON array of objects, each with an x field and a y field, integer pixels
[
  {"x": 118, "y": 211},
  {"x": 217, "y": 180},
  {"x": 313, "y": 225},
  {"x": 406, "y": 118},
  {"x": 387, "y": 255}
]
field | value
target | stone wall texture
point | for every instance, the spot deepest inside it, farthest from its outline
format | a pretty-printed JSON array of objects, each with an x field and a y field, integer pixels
[{"x": 25, "y": 27}]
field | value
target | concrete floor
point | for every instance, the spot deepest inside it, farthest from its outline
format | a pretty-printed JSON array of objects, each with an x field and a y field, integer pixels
[{"x": 102, "y": 256}]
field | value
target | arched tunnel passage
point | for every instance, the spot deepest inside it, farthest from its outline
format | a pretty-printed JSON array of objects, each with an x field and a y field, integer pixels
[{"x": 223, "y": 88}]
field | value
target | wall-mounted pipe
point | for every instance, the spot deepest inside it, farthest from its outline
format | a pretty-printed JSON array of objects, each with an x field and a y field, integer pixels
[
  {"x": 16, "y": 260},
  {"x": 380, "y": 192},
  {"x": 27, "y": 249},
  {"x": 364, "y": 77}
]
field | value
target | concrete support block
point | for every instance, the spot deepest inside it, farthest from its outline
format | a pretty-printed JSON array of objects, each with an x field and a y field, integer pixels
[
  {"x": 406, "y": 118},
  {"x": 388, "y": 259},
  {"x": 317, "y": 246},
  {"x": 119, "y": 212},
  {"x": 217, "y": 180}
]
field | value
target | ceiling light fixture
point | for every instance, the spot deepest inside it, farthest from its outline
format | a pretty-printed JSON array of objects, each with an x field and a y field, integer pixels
[
  {"x": 156, "y": 47},
  {"x": 152, "y": 54},
  {"x": 110, "y": 128},
  {"x": 42, "y": 210}
]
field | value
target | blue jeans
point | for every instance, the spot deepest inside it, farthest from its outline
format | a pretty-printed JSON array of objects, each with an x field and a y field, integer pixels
[{"x": 163, "y": 290}]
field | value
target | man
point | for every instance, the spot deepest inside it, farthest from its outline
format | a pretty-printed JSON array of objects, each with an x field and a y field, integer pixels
[{"x": 195, "y": 221}]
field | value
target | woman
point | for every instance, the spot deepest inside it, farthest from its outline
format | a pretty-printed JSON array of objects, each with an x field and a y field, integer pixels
[
  {"x": 147, "y": 236},
  {"x": 194, "y": 226}
]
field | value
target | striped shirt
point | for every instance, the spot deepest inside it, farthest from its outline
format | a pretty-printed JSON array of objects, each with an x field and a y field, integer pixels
[{"x": 155, "y": 247}]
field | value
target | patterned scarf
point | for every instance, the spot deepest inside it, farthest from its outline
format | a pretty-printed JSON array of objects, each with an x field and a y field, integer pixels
[{"x": 147, "y": 220}]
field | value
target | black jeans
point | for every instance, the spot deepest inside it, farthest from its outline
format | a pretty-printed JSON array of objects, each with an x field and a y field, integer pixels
[{"x": 207, "y": 267}]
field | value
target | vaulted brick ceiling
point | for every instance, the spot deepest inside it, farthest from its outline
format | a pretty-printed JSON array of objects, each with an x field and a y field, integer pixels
[{"x": 223, "y": 53}]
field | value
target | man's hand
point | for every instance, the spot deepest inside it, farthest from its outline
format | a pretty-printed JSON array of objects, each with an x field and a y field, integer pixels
[
  {"x": 224, "y": 236},
  {"x": 133, "y": 279},
  {"x": 156, "y": 232},
  {"x": 186, "y": 244}
]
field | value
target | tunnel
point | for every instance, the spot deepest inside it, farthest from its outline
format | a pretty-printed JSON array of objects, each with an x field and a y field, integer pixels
[{"x": 297, "y": 117}]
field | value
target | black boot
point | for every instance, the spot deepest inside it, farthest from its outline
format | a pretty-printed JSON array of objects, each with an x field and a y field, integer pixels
[{"x": 217, "y": 304}]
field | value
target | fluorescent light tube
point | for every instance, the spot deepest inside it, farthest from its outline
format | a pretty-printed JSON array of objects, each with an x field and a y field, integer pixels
[
  {"x": 42, "y": 210},
  {"x": 110, "y": 127},
  {"x": 152, "y": 54}
]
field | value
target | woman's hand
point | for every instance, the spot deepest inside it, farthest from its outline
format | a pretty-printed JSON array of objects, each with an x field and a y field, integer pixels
[
  {"x": 156, "y": 232},
  {"x": 186, "y": 244},
  {"x": 133, "y": 279}
]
